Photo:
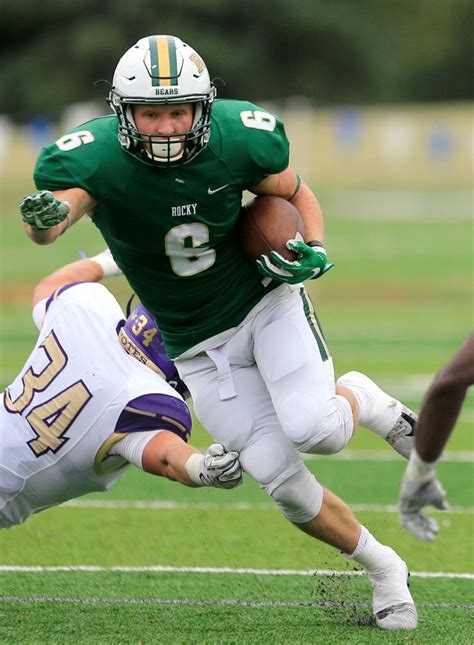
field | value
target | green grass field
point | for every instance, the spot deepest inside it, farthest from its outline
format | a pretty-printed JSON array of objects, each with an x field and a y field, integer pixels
[{"x": 154, "y": 562}]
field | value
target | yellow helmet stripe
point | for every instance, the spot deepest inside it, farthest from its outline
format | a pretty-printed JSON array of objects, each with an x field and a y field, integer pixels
[{"x": 163, "y": 60}]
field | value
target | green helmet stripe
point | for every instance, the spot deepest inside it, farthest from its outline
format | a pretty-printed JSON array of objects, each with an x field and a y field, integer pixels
[
  {"x": 154, "y": 60},
  {"x": 173, "y": 64}
]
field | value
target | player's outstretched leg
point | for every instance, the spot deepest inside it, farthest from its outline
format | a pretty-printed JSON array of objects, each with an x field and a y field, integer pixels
[
  {"x": 392, "y": 603},
  {"x": 381, "y": 413}
]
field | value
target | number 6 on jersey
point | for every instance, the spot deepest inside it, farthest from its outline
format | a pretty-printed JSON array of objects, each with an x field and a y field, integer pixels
[{"x": 184, "y": 247}]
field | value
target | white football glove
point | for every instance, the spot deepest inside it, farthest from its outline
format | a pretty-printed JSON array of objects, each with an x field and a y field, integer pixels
[
  {"x": 219, "y": 468},
  {"x": 415, "y": 494}
]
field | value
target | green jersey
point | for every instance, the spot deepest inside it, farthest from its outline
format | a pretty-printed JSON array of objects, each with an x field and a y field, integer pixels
[{"x": 173, "y": 232}]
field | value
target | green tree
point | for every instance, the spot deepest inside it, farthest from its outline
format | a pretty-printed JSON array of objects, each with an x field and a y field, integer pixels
[{"x": 329, "y": 51}]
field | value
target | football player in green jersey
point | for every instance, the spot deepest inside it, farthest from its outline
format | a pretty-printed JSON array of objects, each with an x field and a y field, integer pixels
[{"x": 162, "y": 178}]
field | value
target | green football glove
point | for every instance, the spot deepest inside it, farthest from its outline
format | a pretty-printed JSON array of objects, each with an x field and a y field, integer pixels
[
  {"x": 42, "y": 210},
  {"x": 311, "y": 263}
]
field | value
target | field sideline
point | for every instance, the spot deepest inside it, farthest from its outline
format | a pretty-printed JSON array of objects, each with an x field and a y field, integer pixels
[{"x": 152, "y": 561}]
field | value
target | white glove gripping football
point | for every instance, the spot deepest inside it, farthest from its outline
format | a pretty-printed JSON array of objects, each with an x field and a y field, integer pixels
[
  {"x": 216, "y": 468},
  {"x": 418, "y": 491}
]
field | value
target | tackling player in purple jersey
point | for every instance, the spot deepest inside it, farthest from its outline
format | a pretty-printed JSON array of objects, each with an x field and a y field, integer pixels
[{"x": 82, "y": 409}]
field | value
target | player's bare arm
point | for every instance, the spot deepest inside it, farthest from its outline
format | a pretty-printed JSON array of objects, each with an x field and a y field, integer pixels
[
  {"x": 48, "y": 214},
  {"x": 311, "y": 255},
  {"x": 87, "y": 270},
  {"x": 443, "y": 401},
  {"x": 167, "y": 455},
  {"x": 438, "y": 415},
  {"x": 288, "y": 185}
]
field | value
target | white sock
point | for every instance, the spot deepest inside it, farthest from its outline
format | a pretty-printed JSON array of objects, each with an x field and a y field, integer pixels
[
  {"x": 363, "y": 402},
  {"x": 419, "y": 470},
  {"x": 377, "y": 410},
  {"x": 370, "y": 553}
]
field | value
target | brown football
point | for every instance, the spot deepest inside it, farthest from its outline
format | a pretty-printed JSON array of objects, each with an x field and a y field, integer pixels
[{"x": 267, "y": 223}]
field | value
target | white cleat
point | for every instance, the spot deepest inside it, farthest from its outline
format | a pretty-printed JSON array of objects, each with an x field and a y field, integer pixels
[
  {"x": 401, "y": 616},
  {"x": 392, "y": 602},
  {"x": 402, "y": 436},
  {"x": 383, "y": 414}
]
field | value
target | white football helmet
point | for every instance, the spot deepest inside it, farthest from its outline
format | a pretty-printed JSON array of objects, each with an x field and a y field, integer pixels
[{"x": 162, "y": 70}]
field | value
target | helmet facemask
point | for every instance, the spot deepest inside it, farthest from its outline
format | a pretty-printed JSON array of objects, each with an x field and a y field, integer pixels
[{"x": 138, "y": 72}]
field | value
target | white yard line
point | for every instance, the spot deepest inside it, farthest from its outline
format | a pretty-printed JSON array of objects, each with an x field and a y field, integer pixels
[
  {"x": 236, "y": 506},
  {"x": 461, "y": 456},
  {"x": 220, "y": 570},
  {"x": 220, "y": 602}
]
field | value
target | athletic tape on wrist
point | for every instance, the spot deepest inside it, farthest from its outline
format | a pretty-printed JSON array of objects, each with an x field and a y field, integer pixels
[
  {"x": 107, "y": 263},
  {"x": 314, "y": 243},
  {"x": 193, "y": 467},
  {"x": 418, "y": 469}
]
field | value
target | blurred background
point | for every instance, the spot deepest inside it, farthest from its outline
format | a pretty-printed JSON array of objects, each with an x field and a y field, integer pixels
[
  {"x": 371, "y": 91},
  {"x": 377, "y": 98}
]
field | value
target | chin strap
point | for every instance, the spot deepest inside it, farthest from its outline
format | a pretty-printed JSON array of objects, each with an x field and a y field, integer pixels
[{"x": 128, "y": 308}]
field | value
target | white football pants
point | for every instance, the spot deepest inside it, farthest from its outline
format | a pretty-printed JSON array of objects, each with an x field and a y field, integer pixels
[{"x": 267, "y": 388}]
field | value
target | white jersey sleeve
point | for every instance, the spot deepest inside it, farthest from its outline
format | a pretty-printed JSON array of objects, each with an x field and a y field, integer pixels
[
  {"x": 88, "y": 296},
  {"x": 91, "y": 295},
  {"x": 39, "y": 311}
]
